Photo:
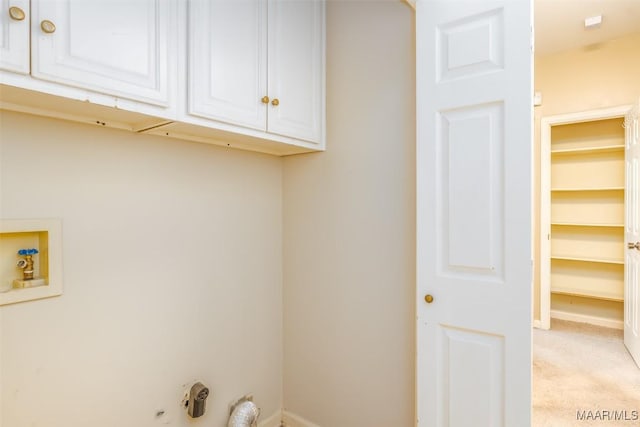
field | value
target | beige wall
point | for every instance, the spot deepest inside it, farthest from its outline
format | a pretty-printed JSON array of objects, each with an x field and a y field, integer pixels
[
  {"x": 172, "y": 257},
  {"x": 600, "y": 76},
  {"x": 349, "y": 231}
]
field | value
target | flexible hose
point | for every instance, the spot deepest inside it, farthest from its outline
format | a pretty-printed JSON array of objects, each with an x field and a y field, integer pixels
[{"x": 245, "y": 414}]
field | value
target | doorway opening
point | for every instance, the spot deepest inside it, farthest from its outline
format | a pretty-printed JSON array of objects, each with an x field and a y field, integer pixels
[
  {"x": 586, "y": 79},
  {"x": 582, "y": 217}
]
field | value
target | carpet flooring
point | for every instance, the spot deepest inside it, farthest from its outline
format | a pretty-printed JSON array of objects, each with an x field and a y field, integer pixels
[{"x": 583, "y": 376}]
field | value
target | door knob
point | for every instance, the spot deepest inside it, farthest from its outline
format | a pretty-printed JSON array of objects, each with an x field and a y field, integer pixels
[
  {"x": 265, "y": 99},
  {"x": 16, "y": 13},
  {"x": 48, "y": 26},
  {"x": 428, "y": 298},
  {"x": 635, "y": 245},
  {"x": 275, "y": 102}
]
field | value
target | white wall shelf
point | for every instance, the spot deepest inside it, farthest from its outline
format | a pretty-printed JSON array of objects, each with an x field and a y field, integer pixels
[
  {"x": 590, "y": 189},
  {"x": 591, "y": 293},
  {"x": 590, "y": 135},
  {"x": 42, "y": 234},
  {"x": 597, "y": 244},
  {"x": 587, "y": 259},
  {"x": 589, "y": 207},
  {"x": 587, "y": 279},
  {"x": 594, "y": 171},
  {"x": 587, "y": 150},
  {"x": 582, "y": 224}
]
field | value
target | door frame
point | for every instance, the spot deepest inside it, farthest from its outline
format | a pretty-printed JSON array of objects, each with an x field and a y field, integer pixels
[{"x": 544, "y": 254}]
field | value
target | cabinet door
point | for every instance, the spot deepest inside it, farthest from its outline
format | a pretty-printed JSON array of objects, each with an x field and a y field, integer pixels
[
  {"x": 14, "y": 35},
  {"x": 296, "y": 69},
  {"x": 120, "y": 48},
  {"x": 227, "y": 61}
]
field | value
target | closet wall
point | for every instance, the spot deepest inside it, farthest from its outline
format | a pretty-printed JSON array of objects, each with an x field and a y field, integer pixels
[{"x": 584, "y": 79}]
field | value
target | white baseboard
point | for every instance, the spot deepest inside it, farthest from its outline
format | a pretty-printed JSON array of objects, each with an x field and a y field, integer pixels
[
  {"x": 539, "y": 324},
  {"x": 584, "y": 318},
  {"x": 273, "y": 421},
  {"x": 293, "y": 420}
]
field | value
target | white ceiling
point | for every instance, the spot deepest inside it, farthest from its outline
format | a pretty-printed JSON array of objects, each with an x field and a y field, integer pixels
[{"x": 559, "y": 24}]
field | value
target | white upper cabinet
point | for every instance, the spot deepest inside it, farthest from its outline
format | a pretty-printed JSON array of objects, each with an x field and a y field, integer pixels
[
  {"x": 120, "y": 48},
  {"x": 227, "y": 61},
  {"x": 14, "y": 35},
  {"x": 296, "y": 69},
  {"x": 259, "y": 64},
  {"x": 246, "y": 74}
]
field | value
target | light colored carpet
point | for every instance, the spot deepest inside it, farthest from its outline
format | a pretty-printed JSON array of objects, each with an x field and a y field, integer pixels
[{"x": 579, "y": 367}]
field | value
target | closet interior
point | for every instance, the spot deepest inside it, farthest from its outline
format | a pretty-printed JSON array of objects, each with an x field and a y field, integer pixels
[{"x": 587, "y": 218}]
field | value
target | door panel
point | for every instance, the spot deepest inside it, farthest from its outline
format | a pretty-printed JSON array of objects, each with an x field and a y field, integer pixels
[
  {"x": 228, "y": 61},
  {"x": 632, "y": 235},
  {"x": 296, "y": 69},
  {"x": 14, "y": 36},
  {"x": 120, "y": 48},
  {"x": 470, "y": 142},
  {"x": 474, "y": 154},
  {"x": 479, "y": 379}
]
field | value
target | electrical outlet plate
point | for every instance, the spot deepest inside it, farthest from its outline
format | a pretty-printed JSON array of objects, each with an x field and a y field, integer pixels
[
  {"x": 593, "y": 21},
  {"x": 537, "y": 99}
]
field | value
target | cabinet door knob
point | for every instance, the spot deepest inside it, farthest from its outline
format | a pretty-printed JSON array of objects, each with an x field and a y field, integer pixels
[
  {"x": 428, "y": 298},
  {"x": 48, "y": 26},
  {"x": 275, "y": 102},
  {"x": 265, "y": 100},
  {"x": 16, "y": 13}
]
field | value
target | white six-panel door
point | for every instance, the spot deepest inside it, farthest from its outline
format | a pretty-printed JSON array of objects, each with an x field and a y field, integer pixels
[
  {"x": 296, "y": 69},
  {"x": 14, "y": 35},
  {"x": 120, "y": 48},
  {"x": 632, "y": 235},
  {"x": 228, "y": 61},
  {"x": 474, "y": 154}
]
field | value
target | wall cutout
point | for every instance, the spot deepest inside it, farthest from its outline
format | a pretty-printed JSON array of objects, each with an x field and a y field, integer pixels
[{"x": 43, "y": 235}]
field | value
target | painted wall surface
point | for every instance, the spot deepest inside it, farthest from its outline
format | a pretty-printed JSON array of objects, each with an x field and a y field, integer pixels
[
  {"x": 599, "y": 76},
  {"x": 172, "y": 258},
  {"x": 349, "y": 231}
]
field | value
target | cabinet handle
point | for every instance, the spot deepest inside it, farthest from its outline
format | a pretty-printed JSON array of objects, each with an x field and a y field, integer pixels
[
  {"x": 48, "y": 26},
  {"x": 16, "y": 13},
  {"x": 275, "y": 102},
  {"x": 265, "y": 99},
  {"x": 428, "y": 298},
  {"x": 632, "y": 245}
]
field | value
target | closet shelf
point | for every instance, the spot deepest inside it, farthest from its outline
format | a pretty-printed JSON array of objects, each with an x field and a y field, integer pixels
[
  {"x": 611, "y": 296},
  {"x": 586, "y": 150},
  {"x": 582, "y": 224},
  {"x": 589, "y": 259},
  {"x": 621, "y": 188}
]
